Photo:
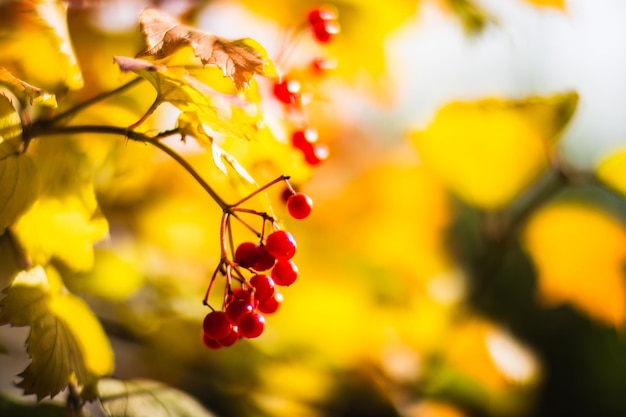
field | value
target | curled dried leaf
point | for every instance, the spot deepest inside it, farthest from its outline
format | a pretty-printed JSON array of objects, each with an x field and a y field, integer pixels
[{"x": 238, "y": 59}]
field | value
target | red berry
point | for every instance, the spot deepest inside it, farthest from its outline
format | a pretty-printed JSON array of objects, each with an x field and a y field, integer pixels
[
  {"x": 281, "y": 244},
  {"x": 325, "y": 30},
  {"x": 210, "y": 343},
  {"x": 321, "y": 14},
  {"x": 316, "y": 154},
  {"x": 284, "y": 273},
  {"x": 270, "y": 305},
  {"x": 242, "y": 294},
  {"x": 251, "y": 325},
  {"x": 216, "y": 325},
  {"x": 302, "y": 139},
  {"x": 287, "y": 91},
  {"x": 231, "y": 338},
  {"x": 299, "y": 206},
  {"x": 263, "y": 286},
  {"x": 247, "y": 254},
  {"x": 265, "y": 260},
  {"x": 236, "y": 309},
  {"x": 320, "y": 66}
]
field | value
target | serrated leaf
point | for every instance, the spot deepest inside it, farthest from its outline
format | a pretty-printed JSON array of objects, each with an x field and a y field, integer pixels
[
  {"x": 239, "y": 59},
  {"x": 488, "y": 151},
  {"x": 19, "y": 183},
  {"x": 64, "y": 228},
  {"x": 25, "y": 92},
  {"x": 142, "y": 397},
  {"x": 66, "y": 342},
  {"x": 579, "y": 252},
  {"x": 227, "y": 115}
]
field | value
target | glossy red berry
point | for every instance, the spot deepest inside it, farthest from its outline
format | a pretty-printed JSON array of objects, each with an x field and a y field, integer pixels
[
  {"x": 315, "y": 154},
  {"x": 242, "y": 294},
  {"x": 270, "y": 305},
  {"x": 236, "y": 309},
  {"x": 287, "y": 91},
  {"x": 210, "y": 343},
  {"x": 321, "y": 66},
  {"x": 285, "y": 272},
  {"x": 265, "y": 260},
  {"x": 263, "y": 286},
  {"x": 299, "y": 206},
  {"x": 216, "y": 325},
  {"x": 247, "y": 254},
  {"x": 302, "y": 139},
  {"x": 322, "y": 13},
  {"x": 325, "y": 30},
  {"x": 251, "y": 325},
  {"x": 281, "y": 244},
  {"x": 231, "y": 338}
]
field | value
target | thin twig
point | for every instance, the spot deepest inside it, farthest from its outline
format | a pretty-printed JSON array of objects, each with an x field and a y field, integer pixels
[{"x": 79, "y": 107}]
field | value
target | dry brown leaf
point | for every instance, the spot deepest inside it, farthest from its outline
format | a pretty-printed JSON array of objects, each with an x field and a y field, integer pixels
[{"x": 237, "y": 58}]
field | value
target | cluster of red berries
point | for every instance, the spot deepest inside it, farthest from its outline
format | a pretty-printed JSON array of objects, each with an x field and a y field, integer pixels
[
  {"x": 269, "y": 265},
  {"x": 322, "y": 22}
]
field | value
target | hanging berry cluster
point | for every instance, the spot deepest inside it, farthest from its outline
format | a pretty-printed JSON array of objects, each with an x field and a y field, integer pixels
[
  {"x": 321, "y": 23},
  {"x": 253, "y": 271}
]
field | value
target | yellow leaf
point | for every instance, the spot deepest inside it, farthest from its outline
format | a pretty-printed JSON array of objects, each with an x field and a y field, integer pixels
[
  {"x": 488, "y": 151},
  {"x": 10, "y": 123},
  {"x": 66, "y": 342},
  {"x": 114, "y": 276},
  {"x": 579, "y": 252},
  {"x": 39, "y": 27},
  {"x": 64, "y": 228},
  {"x": 612, "y": 171},
  {"x": 26, "y": 92},
  {"x": 19, "y": 183},
  {"x": 557, "y": 4},
  {"x": 228, "y": 115}
]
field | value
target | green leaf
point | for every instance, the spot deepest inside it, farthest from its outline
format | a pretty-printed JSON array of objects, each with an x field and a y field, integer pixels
[
  {"x": 26, "y": 92},
  {"x": 19, "y": 183},
  {"x": 141, "y": 397},
  {"x": 227, "y": 115},
  {"x": 66, "y": 342}
]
